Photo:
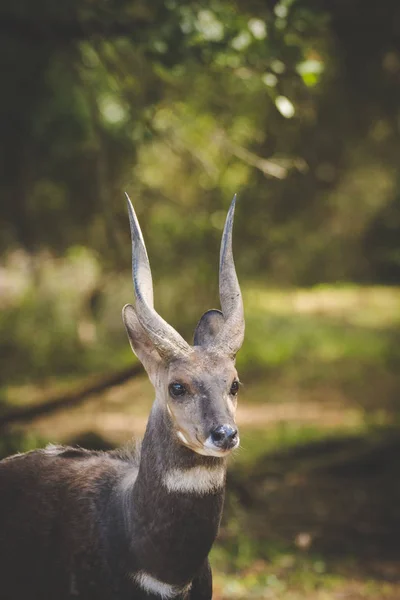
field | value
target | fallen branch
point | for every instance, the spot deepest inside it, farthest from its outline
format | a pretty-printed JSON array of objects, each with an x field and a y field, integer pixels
[{"x": 28, "y": 413}]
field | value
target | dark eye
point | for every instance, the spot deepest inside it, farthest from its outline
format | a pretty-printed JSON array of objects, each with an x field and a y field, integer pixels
[
  {"x": 234, "y": 388},
  {"x": 176, "y": 389}
]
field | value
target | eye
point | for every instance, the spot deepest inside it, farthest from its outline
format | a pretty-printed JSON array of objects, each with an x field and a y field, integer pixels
[
  {"x": 176, "y": 389},
  {"x": 234, "y": 388}
]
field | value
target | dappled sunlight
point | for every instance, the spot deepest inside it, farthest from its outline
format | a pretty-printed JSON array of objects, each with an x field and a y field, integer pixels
[
  {"x": 323, "y": 587},
  {"x": 118, "y": 414},
  {"x": 320, "y": 413},
  {"x": 371, "y": 306}
]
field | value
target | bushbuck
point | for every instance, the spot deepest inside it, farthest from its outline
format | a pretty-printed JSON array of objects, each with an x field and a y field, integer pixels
[{"x": 135, "y": 524}]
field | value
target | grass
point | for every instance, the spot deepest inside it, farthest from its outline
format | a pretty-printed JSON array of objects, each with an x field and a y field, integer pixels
[
  {"x": 298, "y": 577},
  {"x": 321, "y": 332},
  {"x": 374, "y": 306}
]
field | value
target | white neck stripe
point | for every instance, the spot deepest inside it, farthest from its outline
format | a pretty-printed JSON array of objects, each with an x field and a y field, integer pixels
[
  {"x": 154, "y": 586},
  {"x": 197, "y": 480}
]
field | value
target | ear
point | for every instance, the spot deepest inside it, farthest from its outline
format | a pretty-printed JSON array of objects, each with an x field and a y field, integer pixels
[
  {"x": 140, "y": 342},
  {"x": 208, "y": 327}
]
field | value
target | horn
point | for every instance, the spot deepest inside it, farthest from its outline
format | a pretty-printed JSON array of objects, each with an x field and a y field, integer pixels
[
  {"x": 230, "y": 338},
  {"x": 167, "y": 341}
]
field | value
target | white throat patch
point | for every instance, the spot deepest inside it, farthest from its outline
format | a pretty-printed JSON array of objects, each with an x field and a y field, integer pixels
[
  {"x": 154, "y": 586},
  {"x": 197, "y": 480}
]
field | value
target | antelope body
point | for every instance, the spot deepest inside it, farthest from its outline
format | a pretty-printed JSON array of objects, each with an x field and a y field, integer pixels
[{"x": 134, "y": 525}]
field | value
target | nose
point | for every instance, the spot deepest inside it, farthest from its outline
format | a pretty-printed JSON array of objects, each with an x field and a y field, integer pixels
[{"x": 224, "y": 436}]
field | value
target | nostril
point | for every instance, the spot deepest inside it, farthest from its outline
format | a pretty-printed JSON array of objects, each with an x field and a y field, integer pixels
[
  {"x": 233, "y": 434},
  {"x": 223, "y": 435},
  {"x": 218, "y": 434}
]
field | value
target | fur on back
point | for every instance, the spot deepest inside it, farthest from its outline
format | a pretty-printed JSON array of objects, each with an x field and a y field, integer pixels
[{"x": 58, "y": 508}]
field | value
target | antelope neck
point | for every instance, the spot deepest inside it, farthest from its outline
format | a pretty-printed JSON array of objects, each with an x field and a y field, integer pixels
[
  {"x": 162, "y": 449},
  {"x": 176, "y": 504}
]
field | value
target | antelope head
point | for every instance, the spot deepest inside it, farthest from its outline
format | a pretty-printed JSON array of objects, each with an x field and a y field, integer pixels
[{"x": 197, "y": 385}]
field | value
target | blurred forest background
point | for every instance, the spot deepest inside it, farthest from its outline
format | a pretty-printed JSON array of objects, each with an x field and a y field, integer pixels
[{"x": 295, "y": 105}]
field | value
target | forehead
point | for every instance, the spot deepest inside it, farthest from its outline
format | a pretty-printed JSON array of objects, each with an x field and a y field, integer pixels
[{"x": 202, "y": 364}]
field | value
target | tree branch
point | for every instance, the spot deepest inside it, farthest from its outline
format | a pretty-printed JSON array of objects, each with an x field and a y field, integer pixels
[{"x": 28, "y": 413}]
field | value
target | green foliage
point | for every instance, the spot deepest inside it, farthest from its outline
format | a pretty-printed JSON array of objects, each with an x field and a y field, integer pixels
[
  {"x": 49, "y": 327},
  {"x": 183, "y": 105}
]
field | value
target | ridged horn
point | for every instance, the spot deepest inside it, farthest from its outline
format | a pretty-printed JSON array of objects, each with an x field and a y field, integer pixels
[
  {"x": 167, "y": 341},
  {"x": 231, "y": 336}
]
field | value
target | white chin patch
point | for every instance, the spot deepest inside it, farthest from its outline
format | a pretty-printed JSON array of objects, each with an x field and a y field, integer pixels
[{"x": 210, "y": 449}]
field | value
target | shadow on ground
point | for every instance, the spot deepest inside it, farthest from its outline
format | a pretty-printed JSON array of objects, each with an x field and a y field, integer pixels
[{"x": 338, "y": 498}]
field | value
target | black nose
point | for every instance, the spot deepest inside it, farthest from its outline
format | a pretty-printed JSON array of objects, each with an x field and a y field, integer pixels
[{"x": 224, "y": 436}]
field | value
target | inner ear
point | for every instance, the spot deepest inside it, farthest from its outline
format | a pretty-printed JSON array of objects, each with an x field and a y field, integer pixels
[
  {"x": 140, "y": 342},
  {"x": 208, "y": 327}
]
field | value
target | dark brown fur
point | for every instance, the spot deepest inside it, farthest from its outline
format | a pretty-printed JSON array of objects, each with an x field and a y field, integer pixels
[{"x": 68, "y": 529}]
